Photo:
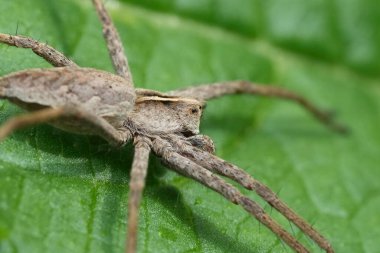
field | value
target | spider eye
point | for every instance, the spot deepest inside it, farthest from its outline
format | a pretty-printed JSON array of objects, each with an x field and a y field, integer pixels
[{"x": 194, "y": 110}]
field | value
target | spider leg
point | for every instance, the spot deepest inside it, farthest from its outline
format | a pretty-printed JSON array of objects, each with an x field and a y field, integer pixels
[
  {"x": 29, "y": 119},
  {"x": 136, "y": 187},
  {"x": 202, "y": 142},
  {"x": 98, "y": 125},
  {"x": 190, "y": 169},
  {"x": 224, "y": 168},
  {"x": 51, "y": 55},
  {"x": 114, "y": 45},
  {"x": 210, "y": 91}
]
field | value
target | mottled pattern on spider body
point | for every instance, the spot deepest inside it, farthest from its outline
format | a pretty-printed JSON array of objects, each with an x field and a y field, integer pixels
[
  {"x": 89, "y": 101},
  {"x": 99, "y": 92},
  {"x": 156, "y": 115},
  {"x": 104, "y": 98}
]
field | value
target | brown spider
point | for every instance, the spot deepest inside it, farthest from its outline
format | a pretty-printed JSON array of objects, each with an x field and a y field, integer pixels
[{"x": 94, "y": 102}]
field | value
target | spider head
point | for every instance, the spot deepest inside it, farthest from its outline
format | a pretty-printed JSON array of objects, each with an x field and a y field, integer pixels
[
  {"x": 160, "y": 115},
  {"x": 189, "y": 115}
]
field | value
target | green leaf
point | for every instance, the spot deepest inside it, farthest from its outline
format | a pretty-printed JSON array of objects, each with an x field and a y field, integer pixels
[{"x": 61, "y": 192}]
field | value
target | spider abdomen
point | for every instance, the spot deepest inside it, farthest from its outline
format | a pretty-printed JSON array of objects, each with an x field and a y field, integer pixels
[{"x": 98, "y": 92}]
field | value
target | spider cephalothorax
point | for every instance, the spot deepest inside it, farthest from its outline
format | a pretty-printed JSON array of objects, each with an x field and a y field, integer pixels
[
  {"x": 157, "y": 115},
  {"x": 89, "y": 101}
]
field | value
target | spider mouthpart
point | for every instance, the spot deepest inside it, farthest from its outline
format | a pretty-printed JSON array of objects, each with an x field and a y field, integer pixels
[{"x": 188, "y": 133}]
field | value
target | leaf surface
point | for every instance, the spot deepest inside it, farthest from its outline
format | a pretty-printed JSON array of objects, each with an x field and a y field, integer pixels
[{"x": 61, "y": 192}]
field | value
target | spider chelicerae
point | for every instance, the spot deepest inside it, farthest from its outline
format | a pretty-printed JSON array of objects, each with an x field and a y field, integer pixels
[{"x": 94, "y": 102}]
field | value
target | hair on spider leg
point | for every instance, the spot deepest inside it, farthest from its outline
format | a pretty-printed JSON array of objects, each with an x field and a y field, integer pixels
[
  {"x": 191, "y": 169},
  {"x": 283, "y": 244},
  {"x": 278, "y": 194},
  {"x": 266, "y": 204},
  {"x": 310, "y": 242},
  {"x": 17, "y": 24},
  {"x": 291, "y": 228},
  {"x": 218, "y": 165},
  {"x": 200, "y": 223}
]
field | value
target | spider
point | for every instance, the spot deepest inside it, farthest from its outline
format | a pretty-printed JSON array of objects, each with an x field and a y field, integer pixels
[{"x": 93, "y": 102}]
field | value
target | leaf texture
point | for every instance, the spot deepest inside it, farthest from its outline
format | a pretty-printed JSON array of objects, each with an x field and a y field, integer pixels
[{"x": 61, "y": 192}]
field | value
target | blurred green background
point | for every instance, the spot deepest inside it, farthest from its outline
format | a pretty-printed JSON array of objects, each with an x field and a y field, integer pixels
[{"x": 61, "y": 192}]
